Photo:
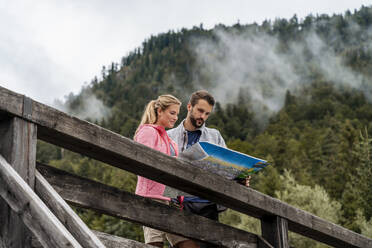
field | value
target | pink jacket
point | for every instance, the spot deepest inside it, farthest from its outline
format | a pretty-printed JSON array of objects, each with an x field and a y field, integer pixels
[{"x": 156, "y": 137}]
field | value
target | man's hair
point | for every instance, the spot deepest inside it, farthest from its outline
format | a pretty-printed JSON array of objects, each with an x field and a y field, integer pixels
[{"x": 201, "y": 94}]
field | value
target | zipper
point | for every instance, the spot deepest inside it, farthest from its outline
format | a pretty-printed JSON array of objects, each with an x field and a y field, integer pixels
[{"x": 184, "y": 140}]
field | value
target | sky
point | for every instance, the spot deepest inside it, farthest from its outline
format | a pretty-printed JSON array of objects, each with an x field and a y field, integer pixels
[{"x": 50, "y": 48}]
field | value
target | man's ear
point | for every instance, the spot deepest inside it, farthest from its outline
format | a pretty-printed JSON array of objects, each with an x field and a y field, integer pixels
[{"x": 189, "y": 107}]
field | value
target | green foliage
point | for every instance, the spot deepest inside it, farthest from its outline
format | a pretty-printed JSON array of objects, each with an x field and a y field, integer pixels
[
  {"x": 240, "y": 221},
  {"x": 312, "y": 199},
  {"x": 363, "y": 182},
  {"x": 351, "y": 208},
  {"x": 365, "y": 226},
  {"x": 268, "y": 181},
  {"x": 95, "y": 170},
  {"x": 46, "y": 152}
]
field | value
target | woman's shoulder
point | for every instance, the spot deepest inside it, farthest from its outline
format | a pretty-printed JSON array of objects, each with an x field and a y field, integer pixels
[{"x": 146, "y": 130}]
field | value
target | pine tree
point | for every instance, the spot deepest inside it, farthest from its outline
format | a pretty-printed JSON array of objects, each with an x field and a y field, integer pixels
[{"x": 363, "y": 154}]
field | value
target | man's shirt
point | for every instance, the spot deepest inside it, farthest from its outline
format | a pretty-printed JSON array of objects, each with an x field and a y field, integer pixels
[
  {"x": 180, "y": 136},
  {"x": 193, "y": 137}
]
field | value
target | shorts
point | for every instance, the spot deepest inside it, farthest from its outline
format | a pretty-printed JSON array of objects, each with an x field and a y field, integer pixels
[{"x": 153, "y": 235}]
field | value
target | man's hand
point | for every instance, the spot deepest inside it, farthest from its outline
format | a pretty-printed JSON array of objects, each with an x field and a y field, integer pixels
[{"x": 245, "y": 181}]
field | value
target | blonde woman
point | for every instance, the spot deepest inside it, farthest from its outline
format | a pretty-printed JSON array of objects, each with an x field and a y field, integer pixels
[{"x": 159, "y": 114}]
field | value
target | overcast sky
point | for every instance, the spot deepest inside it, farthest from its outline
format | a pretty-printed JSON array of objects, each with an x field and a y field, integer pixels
[{"x": 49, "y": 48}]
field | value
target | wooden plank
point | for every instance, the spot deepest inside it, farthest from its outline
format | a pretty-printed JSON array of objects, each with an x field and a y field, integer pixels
[
  {"x": 65, "y": 214},
  {"x": 11, "y": 102},
  {"x": 274, "y": 229},
  {"x": 101, "y": 144},
  {"x": 18, "y": 146},
  {"x": 34, "y": 213},
  {"x": 110, "y": 241},
  {"x": 93, "y": 195},
  {"x": 262, "y": 243}
]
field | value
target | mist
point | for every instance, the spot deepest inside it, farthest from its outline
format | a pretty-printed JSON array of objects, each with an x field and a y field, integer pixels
[
  {"x": 90, "y": 107},
  {"x": 254, "y": 64}
]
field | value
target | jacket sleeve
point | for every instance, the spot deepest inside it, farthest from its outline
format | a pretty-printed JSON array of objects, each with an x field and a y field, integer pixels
[{"x": 221, "y": 141}]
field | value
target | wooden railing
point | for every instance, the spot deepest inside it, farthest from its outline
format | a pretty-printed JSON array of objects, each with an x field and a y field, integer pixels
[{"x": 34, "y": 199}]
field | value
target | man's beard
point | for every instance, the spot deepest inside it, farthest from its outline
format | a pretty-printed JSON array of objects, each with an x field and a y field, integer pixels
[{"x": 195, "y": 123}]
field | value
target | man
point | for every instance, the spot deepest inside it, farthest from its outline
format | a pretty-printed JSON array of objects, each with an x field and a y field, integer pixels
[{"x": 193, "y": 129}]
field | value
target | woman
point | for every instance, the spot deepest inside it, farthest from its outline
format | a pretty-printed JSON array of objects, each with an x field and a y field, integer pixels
[{"x": 159, "y": 114}]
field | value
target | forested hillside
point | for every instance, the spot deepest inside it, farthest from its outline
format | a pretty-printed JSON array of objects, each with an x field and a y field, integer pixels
[{"x": 296, "y": 92}]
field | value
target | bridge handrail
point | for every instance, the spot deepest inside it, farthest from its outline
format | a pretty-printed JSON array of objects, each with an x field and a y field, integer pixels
[{"x": 101, "y": 144}]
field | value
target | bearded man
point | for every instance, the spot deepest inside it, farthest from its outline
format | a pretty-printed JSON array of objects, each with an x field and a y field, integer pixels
[{"x": 193, "y": 129}]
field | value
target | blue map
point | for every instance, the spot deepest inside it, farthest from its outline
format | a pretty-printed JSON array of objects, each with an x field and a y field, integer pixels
[{"x": 223, "y": 161}]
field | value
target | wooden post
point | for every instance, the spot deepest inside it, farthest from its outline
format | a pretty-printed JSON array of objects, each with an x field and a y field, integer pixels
[
  {"x": 32, "y": 210},
  {"x": 18, "y": 147},
  {"x": 65, "y": 214},
  {"x": 275, "y": 230}
]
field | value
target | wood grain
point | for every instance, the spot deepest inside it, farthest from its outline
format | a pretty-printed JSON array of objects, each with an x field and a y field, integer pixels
[
  {"x": 111, "y": 201},
  {"x": 18, "y": 146},
  {"x": 65, "y": 214},
  {"x": 275, "y": 231},
  {"x": 34, "y": 213},
  {"x": 110, "y": 241}
]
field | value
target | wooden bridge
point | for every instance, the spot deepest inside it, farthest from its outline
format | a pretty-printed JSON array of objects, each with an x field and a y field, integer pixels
[{"x": 33, "y": 203}]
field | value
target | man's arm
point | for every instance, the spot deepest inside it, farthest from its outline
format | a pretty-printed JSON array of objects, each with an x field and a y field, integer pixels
[{"x": 220, "y": 140}]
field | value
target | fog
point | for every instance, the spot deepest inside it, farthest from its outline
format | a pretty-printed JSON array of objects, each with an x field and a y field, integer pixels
[{"x": 253, "y": 64}]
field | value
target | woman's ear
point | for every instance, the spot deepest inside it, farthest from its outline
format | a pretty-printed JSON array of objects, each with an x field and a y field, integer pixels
[{"x": 159, "y": 111}]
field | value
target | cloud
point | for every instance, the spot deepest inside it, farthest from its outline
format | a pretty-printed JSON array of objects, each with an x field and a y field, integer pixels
[{"x": 26, "y": 66}]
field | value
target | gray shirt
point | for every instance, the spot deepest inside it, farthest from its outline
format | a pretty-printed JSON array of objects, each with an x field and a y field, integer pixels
[{"x": 179, "y": 135}]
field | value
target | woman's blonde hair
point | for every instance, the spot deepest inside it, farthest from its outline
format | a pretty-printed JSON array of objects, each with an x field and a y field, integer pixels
[{"x": 150, "y": 115}]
